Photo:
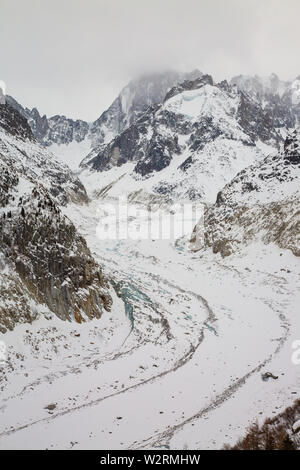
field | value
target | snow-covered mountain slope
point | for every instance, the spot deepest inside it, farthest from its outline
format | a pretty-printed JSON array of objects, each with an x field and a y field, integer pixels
[
  {"x": 18, "y": 144},
  {"x": 66, "y": 136},
  {"x": 43, "y": 259},
  {"x": 260, "y": 87},
  {"x": 172, "y": 365},
  {"x": 280, "y": 98},
  {"x": 133, "y": 100},
  {"x": 187, "y": 147},
  {"x": 261, "y": 203},
  {"x": 180, "y": 372},
  {"x": 295, "y": 91}
]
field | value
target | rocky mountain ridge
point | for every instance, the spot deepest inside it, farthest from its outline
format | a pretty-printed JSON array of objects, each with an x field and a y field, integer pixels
[
  {"x": 262, "y": 204},
  {"x": 201, "y": 132},
  {"x": 280, "y": 98}
]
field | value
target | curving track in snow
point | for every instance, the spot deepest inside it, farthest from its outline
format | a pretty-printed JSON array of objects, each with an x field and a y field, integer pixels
[{"x": 187, "y": 374}]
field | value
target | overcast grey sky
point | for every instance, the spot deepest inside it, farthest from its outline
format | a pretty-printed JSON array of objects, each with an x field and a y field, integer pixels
[{"x": 72, "y": 57}]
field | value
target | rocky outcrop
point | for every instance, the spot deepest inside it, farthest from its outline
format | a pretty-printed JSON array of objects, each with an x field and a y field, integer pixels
[
  {"x": 44, "y": 260},
  {"x": 275, "y": 433},
  {"x": 133, "y": 100},
  {"x": 211, "y": 130},
  {"x": 54, "y": 130},
  {"x": 257, "y": 121},
  {"x": 280, "y": 99},
  {"x": 140, "y": 94},
  {"x": 262, "y": 203},
  {"x": 14, "y": 123},
  {"x": 19, "y": 146}
]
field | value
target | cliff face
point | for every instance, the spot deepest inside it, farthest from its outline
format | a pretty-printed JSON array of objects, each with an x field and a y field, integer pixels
[
  {"x": 14, "y": 123},
  {"x": 49, "y": 262},
  {"x": 133, "y": 100},
  {"x": 278, "y": 98},
  {"x": 54, "y": 130},
  {"x": 19, "y": 146},
  {"x": 262, "y": 203},
  {"x": 44, "y": 263}
]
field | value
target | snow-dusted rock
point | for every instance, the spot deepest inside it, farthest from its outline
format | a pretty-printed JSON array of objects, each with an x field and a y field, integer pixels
[
  {"x": 133, "y": 100},
  {"x": 296, "y": 426},
  {"x": 18, "y": 145},
  {"x": 190, "y": 145},
  {"x": 280, "y": 98},
  {"x": 260, "y": 87},
  {"x": 43, "y": 258}
]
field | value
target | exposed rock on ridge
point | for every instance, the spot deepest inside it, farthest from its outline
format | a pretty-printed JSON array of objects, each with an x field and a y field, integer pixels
[
  {"x": 47, "y": 261},
  {"x": 262, "y": 203}
]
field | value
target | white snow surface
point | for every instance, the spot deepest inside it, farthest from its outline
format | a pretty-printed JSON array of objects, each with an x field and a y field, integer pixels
[
  {"x": 210, "y": 168},
  {"x": 185, "y": 373}
]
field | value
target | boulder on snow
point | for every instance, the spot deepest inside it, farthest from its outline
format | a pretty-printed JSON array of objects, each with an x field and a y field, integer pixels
[{"x": 268, "y": 375}]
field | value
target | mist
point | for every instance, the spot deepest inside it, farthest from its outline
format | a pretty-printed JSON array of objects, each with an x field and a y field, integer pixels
[{"x": 72, "y": 57}]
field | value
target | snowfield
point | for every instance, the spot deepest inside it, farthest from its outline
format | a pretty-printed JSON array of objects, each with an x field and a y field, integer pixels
[{"x": 176, "y": 364}]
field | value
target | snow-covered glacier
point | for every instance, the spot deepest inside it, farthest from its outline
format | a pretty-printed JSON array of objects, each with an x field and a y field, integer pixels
[{"x": 190, "y": 324}]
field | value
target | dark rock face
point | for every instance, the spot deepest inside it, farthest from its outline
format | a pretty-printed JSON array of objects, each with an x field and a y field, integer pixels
[
  {"x": 57, "y": 129},
  {"x": 134, "y": 100},
  {"x": 51, "y": 261},
  {"x": 282, "y": 112},
  {"x": 203, "y": 131},
  {"x": 39, "y": 124},
  {"x": 189, "y": 85},
  {"x": 256, "y": 121},
  {"x": 2, "y": 97},
  {"x": 120, "y": 150},
  {"x": 261, "y": 203},
  {"x": 152, "y": 141},
  {"x": 274, "y": 96},
  {"x": 134, "y": 144},
  {"x": 159, "y": 154},
  {"x": 14, "y": 123},
  {"x": 63, "y": 130},
  {"x": 19, "y": 147}
]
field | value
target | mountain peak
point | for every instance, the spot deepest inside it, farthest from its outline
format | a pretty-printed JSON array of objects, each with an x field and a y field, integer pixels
[{"x": 188, "y": 85}]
